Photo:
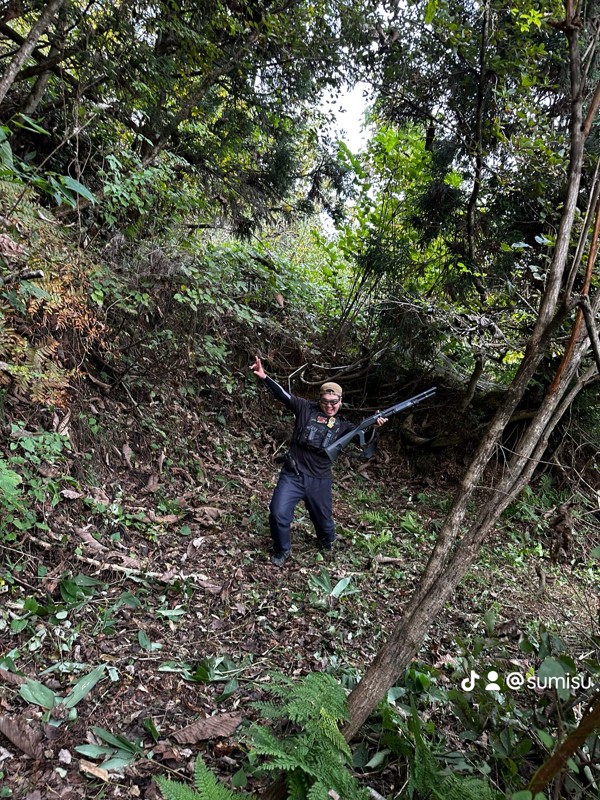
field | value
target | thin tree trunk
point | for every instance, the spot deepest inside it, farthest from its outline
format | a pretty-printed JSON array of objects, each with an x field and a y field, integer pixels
[
  {"x": 589, "y": 723},
  {"x": 35, "y": 97},
  {"x": 28, "y": 46}
]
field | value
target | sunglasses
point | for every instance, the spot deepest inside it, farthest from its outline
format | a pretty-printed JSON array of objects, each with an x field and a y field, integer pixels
[{"x": 330, "y": 402}]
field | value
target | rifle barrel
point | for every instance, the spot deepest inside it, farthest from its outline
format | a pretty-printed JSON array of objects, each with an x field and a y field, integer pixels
[{"x": 334, "y": 449}]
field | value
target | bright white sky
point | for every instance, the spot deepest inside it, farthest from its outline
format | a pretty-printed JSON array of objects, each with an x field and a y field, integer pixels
[{"x": 349, "y": 111}]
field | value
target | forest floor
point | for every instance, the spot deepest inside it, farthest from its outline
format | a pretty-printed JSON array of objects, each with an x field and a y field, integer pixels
[{"x": 153, "y": 568}]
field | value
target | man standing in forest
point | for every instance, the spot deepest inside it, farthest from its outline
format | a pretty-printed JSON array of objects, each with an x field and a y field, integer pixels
[{"x": 306, "y": 471}]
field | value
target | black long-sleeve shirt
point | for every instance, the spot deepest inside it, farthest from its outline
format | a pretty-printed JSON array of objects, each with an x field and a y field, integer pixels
[{"x": 311, "y": 462}]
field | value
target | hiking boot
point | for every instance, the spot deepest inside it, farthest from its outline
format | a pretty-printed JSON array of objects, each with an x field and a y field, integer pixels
[
  {"x": 279, "y": 559},
  {"x": 326, "y": 549}
]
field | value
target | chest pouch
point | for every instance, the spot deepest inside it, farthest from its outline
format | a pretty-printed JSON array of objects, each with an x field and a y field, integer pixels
[{"x": 319, "y": 432}]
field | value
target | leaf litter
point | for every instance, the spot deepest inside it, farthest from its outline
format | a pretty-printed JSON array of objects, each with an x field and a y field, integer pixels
[{"x": 191, "y": 574}]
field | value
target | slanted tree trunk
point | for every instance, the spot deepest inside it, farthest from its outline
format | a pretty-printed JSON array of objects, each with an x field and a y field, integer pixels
[
  {"x": 35, "y": 96},
  {"x": 455, "y": 551},
  {"x": 557, "y": 762},
  {"x": 28, "y": 46}
]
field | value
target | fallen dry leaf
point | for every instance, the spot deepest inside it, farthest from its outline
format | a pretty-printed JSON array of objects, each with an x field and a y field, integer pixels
[
  {"x": 167, "y": 752},
  {"x": 71, "y": 494},
  {"x": 21, "y": 734},
  {"x": 153, "y": 483},
  {"x": 127, "y": 453},
  {"x": 9, "y": 248},
  {"x": 99, "y": 495},
  {"x": 166, "y": 519},
  {"x": 91, "y": 542},
  {"x": 219, "y": 725},
  {"x": 209, "y": 511},
  {"x": 93, "y": 771}
]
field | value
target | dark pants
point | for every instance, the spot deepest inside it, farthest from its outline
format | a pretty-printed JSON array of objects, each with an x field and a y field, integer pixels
[{"x": 290, "y": 490}]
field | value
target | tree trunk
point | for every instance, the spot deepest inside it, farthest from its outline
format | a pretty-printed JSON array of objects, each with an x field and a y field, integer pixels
[
  {"x": 35, "y": 97},
  {"x": 28, "y": 46},
  {"x": 590, "y": 722}
]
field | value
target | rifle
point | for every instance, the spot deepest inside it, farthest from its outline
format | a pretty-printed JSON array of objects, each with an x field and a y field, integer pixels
[{"x": 335, "y": 449}]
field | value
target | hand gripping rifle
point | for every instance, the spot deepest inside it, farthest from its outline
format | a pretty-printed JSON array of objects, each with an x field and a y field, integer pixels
[{"x": 336, "y": 448}]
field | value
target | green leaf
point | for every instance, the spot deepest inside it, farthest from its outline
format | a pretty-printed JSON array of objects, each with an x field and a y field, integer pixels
[
  {"x": 545, "y": 738},
  {"x": 118, "y": 761},
  {"x": 378, "y": 759},
  {"x": 340, "y": 589},
  {"x": 230, "y": 688},
  {"x": 94, "y": 750},
  {"x": 84, "y": 686},
  {"x": 239, "y": 779},
  {"x": 9, "y": 480},
  {"x": 146, "y": 644},
  {"x": 551, "y": 668},
  {"x": 524, "y": 795},
  {"x": 6, "y": 156},
  {"x": 152, "y": 729},
  {"x": 29, "y": 124},
  {"x": 119, "y": 742},
  {"x": 595, "y": 553},
  {"x": 490, "y": 617},
  {"x": 77, "y": 187},
  {"x": 430, "y": 10},
  {"x": 320, "y": 582},
  {"x": 171, "y": 613},
  {"x": 38, "y": 694}
]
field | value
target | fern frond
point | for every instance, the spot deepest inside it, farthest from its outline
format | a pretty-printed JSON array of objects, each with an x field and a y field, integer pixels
[
  {"x": 264, "y": 741},
  {"x": 455, "y": 787},
  {"x": 268, "y": 710},
  {"x": 314, "y": 754},
  {"x": 423, "y": 772},
  {"x": 318, "y": 690},
  {"x": 425, "y": 780},
  {"x": 208, "y": 787},
  {"x": 297, "y": 786},
  {"x": 318, "y": 791},
  {"x": 328, "y": 727},
  {"x": 172, "y": 790},
  {"x": 280, "y": 685}
]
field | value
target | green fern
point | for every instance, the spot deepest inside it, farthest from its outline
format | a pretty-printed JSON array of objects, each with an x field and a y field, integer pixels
[
  {"x": 172, "y": 790},
  {"x": 426, "y": 780},
  {"x": 268, "y": 710},
  {"x": 316, "y": 692},
  {"x": 318, "y": 791},
  {"x": 207, "y": 787},
  {"x": 328, "y": 726},
  {"x": 314, "y": 756}
]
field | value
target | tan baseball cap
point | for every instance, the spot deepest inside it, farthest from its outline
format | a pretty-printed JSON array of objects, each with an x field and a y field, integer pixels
[{"x": 331, "y": 388}]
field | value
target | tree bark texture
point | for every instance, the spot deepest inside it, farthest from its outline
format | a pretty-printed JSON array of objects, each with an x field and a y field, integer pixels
[
  {"x": 54, "y": 57},
  {"x": 28, "y": 46}
]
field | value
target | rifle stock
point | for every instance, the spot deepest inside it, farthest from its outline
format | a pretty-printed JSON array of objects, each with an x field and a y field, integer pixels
[{"x": 336, "y": 448}]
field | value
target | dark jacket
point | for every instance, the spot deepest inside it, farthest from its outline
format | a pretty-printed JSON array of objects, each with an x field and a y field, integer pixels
[{"x": 309, "y": 461}]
